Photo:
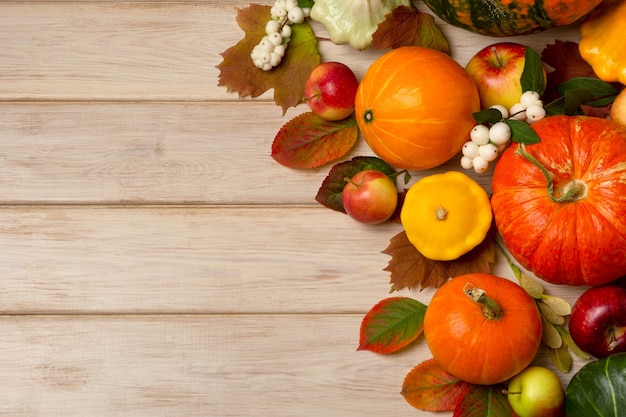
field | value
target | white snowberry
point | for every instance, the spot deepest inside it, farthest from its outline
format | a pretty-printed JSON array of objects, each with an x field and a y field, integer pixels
[
  {"x": 266, "y": 44},
  {"x": 501, "y": 109},
  {"x": 290, "y": 4},
  {"x": 280, "y": 50},
  {"x": 295, "y": 15},
  {"x": 517, "y": 111},
  {"x": 470, "y": 149},
  {"x": 535, "y": 112},
  {"x": 306, "y": 11},
  {"x": 489, "y": 152},
  {"x": 278, "y": 13},
  {"x": 286, "y": 31},
  {"x": 499, "y": 133},
  {"x": 480, "y": 164},
  {"x": 467, "y": 162},
  {"x": 276, "y": 39},
  {"x": 272, "y": 26},
  {"x": 479, "y": 134},
  {"x": 275, "y": 59},
  {"x": 528, "y": 98}
]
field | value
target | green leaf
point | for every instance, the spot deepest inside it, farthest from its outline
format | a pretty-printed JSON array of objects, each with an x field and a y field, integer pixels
[
  {"x": 329, "y": 193},
  {"x": 305, "y": 3},
  {"x": 597, "y": 88},
  {"x": 392, "y": 324},
  {"x": 521, "y": 132},
  {"x": 309, "y": 141},
  {"x": 428, "y": 387},
  {"x": 484, "y": 401},
  {"x": 487, "y": 116},
  {"x": 532, "y": 78},
  {"x": 561, "y": 358}
]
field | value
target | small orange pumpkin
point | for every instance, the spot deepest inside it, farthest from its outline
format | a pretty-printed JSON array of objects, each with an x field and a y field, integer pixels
[
  {"x": 482, "y": 328},
  {"x": 414, "y": 107},
  {"x": 566, "y": 222}
]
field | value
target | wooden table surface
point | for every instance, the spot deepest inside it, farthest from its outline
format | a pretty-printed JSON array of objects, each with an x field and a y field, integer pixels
[{"x": 154, "y": 259}]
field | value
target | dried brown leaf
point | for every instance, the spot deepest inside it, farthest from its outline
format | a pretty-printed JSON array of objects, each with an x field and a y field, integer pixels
[{"x": 410, "y": 269}]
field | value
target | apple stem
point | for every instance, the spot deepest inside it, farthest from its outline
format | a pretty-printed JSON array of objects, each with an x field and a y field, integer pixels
[
  {"x": 351, "y": 181},
  {"x": 491, "y": 309},
  {"x": 495, "y": 52},
  {"x": 572, "y": 191}
]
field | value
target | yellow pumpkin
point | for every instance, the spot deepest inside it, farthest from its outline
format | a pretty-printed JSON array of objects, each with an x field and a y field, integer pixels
[
  {"x": 414, "y": 107},
  {"x": 446, "y": 215}
]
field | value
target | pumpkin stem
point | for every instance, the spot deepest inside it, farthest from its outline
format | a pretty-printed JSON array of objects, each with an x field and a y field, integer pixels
[
  {"x": 572, "y": 191},
  {"x": 491, "y": 309},
  {"x": 441, "y": 213}
]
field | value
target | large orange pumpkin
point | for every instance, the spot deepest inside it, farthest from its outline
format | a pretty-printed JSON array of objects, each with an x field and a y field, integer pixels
[
  {"x": 482, "y": 328},
  {"x": 414, "y": 107},
  {"x": 571, "y": 229}
]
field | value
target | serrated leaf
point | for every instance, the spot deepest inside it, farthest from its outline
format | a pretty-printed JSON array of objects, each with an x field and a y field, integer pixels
[
  {"x": 551, "y": 336},
  {"x": 329, "y": 193},
  {"x": 407, "y": 26},
  {"x": 559, "y": 305},
  {"x": 428, "y": 387},
  {"x": 561, "y": 358},
  {"x": 532, "y": 286},
  {"x": 521, "y": 132},
  {"x": 487, "y": 116},
  {"x": 238, "y": 73},
  {"x": 391, "y": 325},
  {"x": 410, "y": 269},
  {"x": 549, "y": 314},
  {"x": 484, "y": 401},
  {"x": 532, "y": 78},
  {"x": 565, "y": 58},
  {"x": 309, "y": 141}
]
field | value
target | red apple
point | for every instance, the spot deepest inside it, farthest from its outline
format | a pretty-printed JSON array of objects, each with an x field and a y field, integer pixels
[
  {"x": 598, "y": 320},
  {"x": 330, "y": 90},
  {"x": 370, "y": 197},
  {"x": 496, "y": 70},
  {"x": 618, "y": 108}
]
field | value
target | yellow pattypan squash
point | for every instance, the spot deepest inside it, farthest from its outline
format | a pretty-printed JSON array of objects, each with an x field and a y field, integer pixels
[
  {"x": 602, "y": 41},
  {"x": 446, "y": 215}
]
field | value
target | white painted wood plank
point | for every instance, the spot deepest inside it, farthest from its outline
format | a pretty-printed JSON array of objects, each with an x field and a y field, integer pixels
[
  {"x": 226, "y": 366},
  {"x": 194, "y": 259},
  {"x": 150, "y": 153},
  {"x": 152, "y": 50}
]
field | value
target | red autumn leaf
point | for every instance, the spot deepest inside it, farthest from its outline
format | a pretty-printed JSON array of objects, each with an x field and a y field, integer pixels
[
  {"x": 410, "y": 269},
  {"x": 238, "y": 73},
  {"x": 428, "y": 387},
  {"x": 565, "y": 58},
  {"x": 309, "y": 141},
  {"x": 391, "y": 325},
  {"x": 484, "y": 401},
  {"x": 407, "y": 26},
  {"x": 329, "y": 193}
]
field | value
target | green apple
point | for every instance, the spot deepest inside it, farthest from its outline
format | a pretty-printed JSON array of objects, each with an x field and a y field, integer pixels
[{"x": 536, "y": 392}]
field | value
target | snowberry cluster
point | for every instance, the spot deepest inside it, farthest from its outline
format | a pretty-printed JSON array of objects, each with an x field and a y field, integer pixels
[
  {"x": 270, "y": 50},
  {"x": 487, "y": 141}
]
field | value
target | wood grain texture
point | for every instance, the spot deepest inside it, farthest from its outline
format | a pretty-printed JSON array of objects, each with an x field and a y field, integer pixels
[
  {"x": 188, "y": 366},
  {"x": 154, "y": 259}
]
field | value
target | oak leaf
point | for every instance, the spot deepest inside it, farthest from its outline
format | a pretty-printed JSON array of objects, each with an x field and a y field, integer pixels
[
  {"x": 392, "y": 324},
  {"x": 309, "y": 141},
  {"x": 428, "y": 387},
  {"x": 407, "y": 26},
  {"x": 238, "y": 73},
  {"x": 410, "y": 269}
]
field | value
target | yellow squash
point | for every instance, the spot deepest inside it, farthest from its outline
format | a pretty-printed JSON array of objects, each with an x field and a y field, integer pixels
[
  {"x": 602, "y": 41},
  {"x": 446, "y": 215}
]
